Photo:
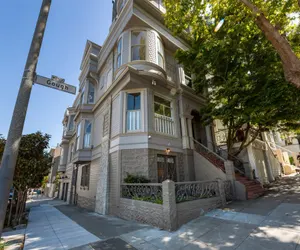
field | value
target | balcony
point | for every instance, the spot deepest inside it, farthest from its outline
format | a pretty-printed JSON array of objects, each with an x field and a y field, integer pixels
[
  {"x": 164, "y": 124},
  {"x": 82, "y": 156}
]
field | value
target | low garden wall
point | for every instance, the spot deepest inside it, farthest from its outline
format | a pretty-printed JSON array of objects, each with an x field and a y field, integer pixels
[{"x": 169, "y": 205}]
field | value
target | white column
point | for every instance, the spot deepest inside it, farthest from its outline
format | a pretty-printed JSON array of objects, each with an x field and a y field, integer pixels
[
  {"x": 190, "y": 129},
  {"x": 185, "y": 138}
]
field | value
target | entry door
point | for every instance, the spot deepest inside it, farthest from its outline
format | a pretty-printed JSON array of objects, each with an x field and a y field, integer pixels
[
  {"x": 66, "y": 192},
  {"x": 63, "y": 191},
  {"x": 166, "y": 168}
]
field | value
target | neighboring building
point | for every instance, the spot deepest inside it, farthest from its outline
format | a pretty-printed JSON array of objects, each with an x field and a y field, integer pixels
[
  {"x": 51, "y": 187},
  {"x": 136, "y": 113}
]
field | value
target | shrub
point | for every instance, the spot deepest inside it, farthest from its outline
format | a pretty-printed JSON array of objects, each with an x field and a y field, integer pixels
[
  {"x": 136, "y": 179},
  {"x": 292, "y": 160}
]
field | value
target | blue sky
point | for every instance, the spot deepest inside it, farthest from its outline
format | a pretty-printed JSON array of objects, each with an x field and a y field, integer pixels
[{"x": 70, "y": 24}]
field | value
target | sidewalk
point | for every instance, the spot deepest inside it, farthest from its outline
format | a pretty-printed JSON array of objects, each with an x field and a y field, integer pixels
[
  {"x": 271, "y": 222},
  {"x": 50, "y": 229}
]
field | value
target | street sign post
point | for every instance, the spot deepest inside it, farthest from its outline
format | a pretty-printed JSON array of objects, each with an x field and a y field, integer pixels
[{"x": 55, "y": 83}]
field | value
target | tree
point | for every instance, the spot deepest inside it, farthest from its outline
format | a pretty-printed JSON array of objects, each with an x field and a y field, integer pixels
[
  {"x": 33, "y": 164},
  {"x": 247, "y": 89},
  {"x": 271, "y": 17}
]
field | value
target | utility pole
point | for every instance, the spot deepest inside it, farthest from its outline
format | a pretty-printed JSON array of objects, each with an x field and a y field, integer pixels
[{"x": 10, "y": 153}]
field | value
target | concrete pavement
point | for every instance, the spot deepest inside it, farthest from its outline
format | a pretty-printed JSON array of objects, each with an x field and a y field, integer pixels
[{"x": 271, "y": 222}]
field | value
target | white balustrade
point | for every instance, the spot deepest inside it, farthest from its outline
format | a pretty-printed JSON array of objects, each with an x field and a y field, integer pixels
[{"x": 164, "y": 124}]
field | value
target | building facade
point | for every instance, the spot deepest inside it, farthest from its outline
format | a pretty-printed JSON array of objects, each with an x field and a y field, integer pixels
[{"x": 134, "y": 114}]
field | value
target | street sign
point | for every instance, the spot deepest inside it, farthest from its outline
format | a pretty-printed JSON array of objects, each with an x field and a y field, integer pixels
[{"x": 55, "y": 83}]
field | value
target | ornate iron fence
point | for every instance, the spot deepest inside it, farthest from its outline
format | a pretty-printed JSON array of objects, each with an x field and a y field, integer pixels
[
  {"x": 196, "y": 190},
  {"x": 228, "y": 190},
  {"x": 143, "y": 192}
]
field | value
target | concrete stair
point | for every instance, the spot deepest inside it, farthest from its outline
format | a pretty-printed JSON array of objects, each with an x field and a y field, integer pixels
[{"x": 253, "y": 187}]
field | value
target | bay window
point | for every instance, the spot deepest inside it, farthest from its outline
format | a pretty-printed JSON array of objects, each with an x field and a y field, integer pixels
[
  {"x": 71, "y": 122},
  {"x": 78, "y": 136},
  {"x": 87, "y": 134},
  {"x": 160, "y": 53},
  {"x": 82, "y": 95},
  {"x": 133, "y": 111},
  {"x": 91, "y": 94},
  {"x": 163, "y": 116},
  {"x": 138, "y": 45}
]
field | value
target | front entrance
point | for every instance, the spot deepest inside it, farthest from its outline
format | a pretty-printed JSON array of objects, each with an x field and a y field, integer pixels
[
  {"x": 166, "y": 168},
  {"x": 199, "y": 133}
]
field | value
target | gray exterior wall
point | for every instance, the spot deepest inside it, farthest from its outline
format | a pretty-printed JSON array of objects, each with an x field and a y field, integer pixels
[
  {"x": 144, "y": 212},
  {"x": 144, "y": 162}
]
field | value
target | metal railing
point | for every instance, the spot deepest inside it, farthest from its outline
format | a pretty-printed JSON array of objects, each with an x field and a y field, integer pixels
[
  {"x": 150, "y": 192},
  {"x": 189, "y": 191},
  {"x": 211, "y": 156}
]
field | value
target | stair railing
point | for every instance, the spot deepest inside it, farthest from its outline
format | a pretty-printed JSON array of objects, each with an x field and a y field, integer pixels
[{"x": 211, "y": 156}]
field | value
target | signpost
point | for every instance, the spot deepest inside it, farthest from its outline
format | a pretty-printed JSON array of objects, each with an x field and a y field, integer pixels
[{"x": 55, "y": 83}]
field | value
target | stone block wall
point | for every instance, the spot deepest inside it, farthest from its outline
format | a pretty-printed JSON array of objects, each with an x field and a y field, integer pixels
[
  {"x": 189, "y": 210},
  {"x": 86, "y": 203},
  {"x": 144, "y": 162},
  {"x": 141, "y": 211}
]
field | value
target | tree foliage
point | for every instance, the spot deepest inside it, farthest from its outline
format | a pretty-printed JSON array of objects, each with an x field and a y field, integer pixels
[
  {"x": 32, "y": 165},
  {"x": 243, "y": 73},
  {"x": 274, "y": 19}
]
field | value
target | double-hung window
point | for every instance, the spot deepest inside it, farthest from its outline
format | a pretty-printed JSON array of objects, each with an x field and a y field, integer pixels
[
  {"x": 71, "y": 122},
  {"x": 160, "y": 53},
  {"x": 119, "y": 53},
  {"x": 71, "y": 152},
  {"x": 163, "y": 116},
  {"x": 133, "y": 111},
  {"x": 138, "y": 45},
  {"x": 85, "y": 176},
  {"x": 91, "y": 93},
  {"x": 87, "y": 134},
  {"x": 78, "y": 136}
]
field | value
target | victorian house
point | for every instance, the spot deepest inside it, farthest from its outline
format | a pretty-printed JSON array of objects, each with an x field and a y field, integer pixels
[{"x": 135, "y": 113}]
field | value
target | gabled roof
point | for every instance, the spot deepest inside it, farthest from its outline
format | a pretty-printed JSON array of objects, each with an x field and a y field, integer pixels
[{"x": 88, "y": 46}]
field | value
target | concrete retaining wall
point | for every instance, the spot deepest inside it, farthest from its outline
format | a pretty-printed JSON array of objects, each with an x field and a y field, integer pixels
[{"x": 141, "y": 211}]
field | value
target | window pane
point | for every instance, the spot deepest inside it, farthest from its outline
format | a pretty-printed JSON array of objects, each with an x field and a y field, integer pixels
[
  {"x": 167, "y": 112},
  {"x": 160, "y": 61},
  {"x": 71, "y": 124},
  {"x": 109, "y": 78},
  {"x": 119, "y": 61},
  {"x": 138, "y": 53},
  {"x": 138, "y": 38},
  {"x": 158, "y": 109},
  {"x": 134, "y": 101},
  {"x": 162, "y": 101},
  {"x": 120, "y": 46},
  {"x": 87, "y": 134},
  {"x": 91, "y": 95}
]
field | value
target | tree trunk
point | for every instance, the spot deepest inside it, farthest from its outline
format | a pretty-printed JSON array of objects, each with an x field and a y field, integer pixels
[{"x": 291, "y": 63}]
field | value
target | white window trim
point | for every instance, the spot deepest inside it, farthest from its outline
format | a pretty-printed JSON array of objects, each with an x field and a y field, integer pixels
[
  {"x": 121, "y": 53},
  {"x": 157, "y": 39},
  {"x": 142, "y": 109},
  {"x": 173, "y": 114},
  {"x": 91, "y": 142}
]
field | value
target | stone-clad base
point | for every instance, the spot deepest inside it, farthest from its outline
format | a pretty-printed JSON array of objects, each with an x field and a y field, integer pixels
[{"x": 86, "y": 203}]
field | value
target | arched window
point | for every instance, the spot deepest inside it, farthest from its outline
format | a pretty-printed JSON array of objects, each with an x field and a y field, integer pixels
[{"x": 138, "y": 45}]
